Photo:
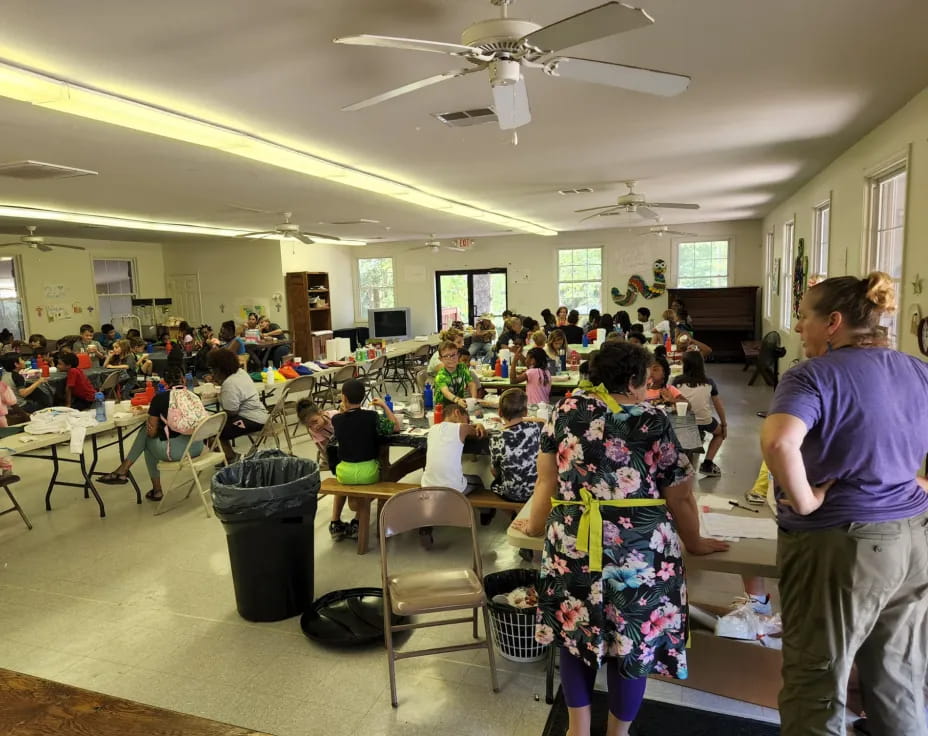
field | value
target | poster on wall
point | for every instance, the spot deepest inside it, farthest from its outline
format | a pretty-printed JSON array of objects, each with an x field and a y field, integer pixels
[
  {"x": 53, "y": 291},
  {"x": 245, "y": 309},
  {"x": 57, "y": 312}
]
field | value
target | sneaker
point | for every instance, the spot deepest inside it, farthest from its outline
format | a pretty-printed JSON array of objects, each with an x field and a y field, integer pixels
[
  {"x": 755, "y": 498},
  {"x": 338, "y": 530},
  {"x": 353, "y": 527},
  {"x": 707, "y": 467}
]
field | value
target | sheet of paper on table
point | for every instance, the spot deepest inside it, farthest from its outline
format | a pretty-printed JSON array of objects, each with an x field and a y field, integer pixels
[
  {"x": 731, "y": 526},
  {"x": 712, "y": 501}
]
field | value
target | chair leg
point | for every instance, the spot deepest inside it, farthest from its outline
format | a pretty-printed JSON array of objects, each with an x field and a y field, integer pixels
[
  {"x": 17, "y": 507},
  {"x": 388, "y": 640},
  {"x": 202, "y": 492},
  {"x": 491, "y": 655},
  {"x": 165, "y": 490},
  {"x": 476, "y": 630}
]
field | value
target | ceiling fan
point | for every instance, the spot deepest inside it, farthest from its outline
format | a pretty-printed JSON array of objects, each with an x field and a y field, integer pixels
[
  {"x": 504, "y": 46},
  {"x": 661, "y": 230},
  {"x": 459, "y": 245},
  {"x": 287, "y": 229},
  {"x": 38, "y": 242},
  {"x": 634, "y": 202}
]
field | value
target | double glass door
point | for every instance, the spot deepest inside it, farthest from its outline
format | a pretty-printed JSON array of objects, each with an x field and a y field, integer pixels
[{"x": 467, "y": 294}]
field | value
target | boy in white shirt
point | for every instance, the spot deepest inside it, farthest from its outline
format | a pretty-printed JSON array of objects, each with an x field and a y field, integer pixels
[{"x": 443, "y": 467}]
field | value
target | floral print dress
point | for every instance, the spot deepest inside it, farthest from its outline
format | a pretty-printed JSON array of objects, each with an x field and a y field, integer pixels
[{"x": 634, "y": 609}]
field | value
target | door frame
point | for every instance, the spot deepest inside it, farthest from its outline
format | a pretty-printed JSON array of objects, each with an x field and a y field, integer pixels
[{"x": 470, "y": 273}]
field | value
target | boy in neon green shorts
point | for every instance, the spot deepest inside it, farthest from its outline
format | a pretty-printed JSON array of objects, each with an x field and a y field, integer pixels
[{"x": 358, "y": 432}]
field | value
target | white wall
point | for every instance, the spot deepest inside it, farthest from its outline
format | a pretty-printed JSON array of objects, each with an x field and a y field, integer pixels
[
  {"x": 337, "y": 261},
  {"x": 41, "y": 274},
  {"x": 845, "y": 182},
  {"x": 532, "y": 265}
]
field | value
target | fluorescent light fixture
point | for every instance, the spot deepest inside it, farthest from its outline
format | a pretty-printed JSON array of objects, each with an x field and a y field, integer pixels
[
  {"x": 83, "y": 218},
  {"x": 39, "y": 89}
]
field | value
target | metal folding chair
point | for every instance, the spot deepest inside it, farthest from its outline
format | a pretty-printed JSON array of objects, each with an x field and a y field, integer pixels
[{"x": 6, "y": 481}]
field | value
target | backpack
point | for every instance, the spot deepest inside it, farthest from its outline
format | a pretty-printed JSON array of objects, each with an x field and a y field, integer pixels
[{"x": 185, "y": 411}]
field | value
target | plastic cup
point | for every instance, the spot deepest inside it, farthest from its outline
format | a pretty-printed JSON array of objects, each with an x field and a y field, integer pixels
[
  {"x": 471, "y": 405},
  {"x": 110, "y": 407},
  {"x": 682, "y": 408}
]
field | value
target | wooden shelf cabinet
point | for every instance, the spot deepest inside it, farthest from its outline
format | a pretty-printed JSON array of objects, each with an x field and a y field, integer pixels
[{"x": 303, "y": 319}]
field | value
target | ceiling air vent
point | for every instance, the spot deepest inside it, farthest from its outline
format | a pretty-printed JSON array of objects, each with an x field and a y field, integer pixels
[
  {"x": 578, "y": 190},
  {"x": 466, "y": 118},
  {"x": 41, "y": 170}
]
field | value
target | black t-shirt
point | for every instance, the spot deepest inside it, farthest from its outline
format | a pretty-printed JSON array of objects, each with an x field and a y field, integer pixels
[
  {"x": 356, "y": 433},
  {"x": 573, "y": 333},
  {"x": 159, "y": 408},
  {"x": 270, "y": 328}
]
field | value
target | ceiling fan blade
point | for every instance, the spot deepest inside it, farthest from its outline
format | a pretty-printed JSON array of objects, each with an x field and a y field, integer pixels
[
  {"x": 257, "y": 232},
  {"x": 411, "y": 87},
  {"x": 511, "y": 104},
  {"x": 7, "y": 245},
  {"x": 590, "y": 25},
  {"x": 409, "y": 44},
  {"x": 674, "y": 205},
  {"x": 598, "y": 214},
  {"x": 321, "y": 236},
  {"x": 647, "y": 212},
  {"x": 594, "y": 209},
  {"x": 44, "y": 248},
  {"x": 303, "y": 238},
  {"x": 61, "y": 245},
  {"x": 636, "y": 79}
]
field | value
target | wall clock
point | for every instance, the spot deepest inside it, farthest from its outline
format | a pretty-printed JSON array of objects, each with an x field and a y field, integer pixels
[{"x": 923, "y": 336}]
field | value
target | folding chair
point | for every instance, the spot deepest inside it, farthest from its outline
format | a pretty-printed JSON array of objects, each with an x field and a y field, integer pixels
[
  {"x": 209, "y": 458},
  {"x": 334, "y": 382},
  {"x": 422, "y": 377},
  {"x": 110, "y": 384},
  {"x": 6, "y": 481},
  {"x": 301, "y": 385},
  {"x": 435, "y": 590},
  {"x": 372, "y": 378},
  {"x": 276, "y": 424}
]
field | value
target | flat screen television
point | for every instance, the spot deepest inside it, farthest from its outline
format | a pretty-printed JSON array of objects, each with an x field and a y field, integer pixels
[{"x": 391, "y": 323}]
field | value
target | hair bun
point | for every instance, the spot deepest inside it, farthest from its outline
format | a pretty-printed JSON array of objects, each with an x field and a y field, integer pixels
[{"x": 880, "y": 291}]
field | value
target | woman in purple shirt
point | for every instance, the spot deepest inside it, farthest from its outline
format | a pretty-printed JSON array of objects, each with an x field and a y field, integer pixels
[{"x": 845, "y": 445}]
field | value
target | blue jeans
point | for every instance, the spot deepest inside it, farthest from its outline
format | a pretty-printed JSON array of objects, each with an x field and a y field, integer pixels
[
  {"x": 155, "y": 450},
  {"x": 476, "y": 348}
]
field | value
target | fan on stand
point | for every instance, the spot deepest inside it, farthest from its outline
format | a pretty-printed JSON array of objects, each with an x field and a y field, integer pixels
[
  {"x": 38, "y": 242},
  {"x": 505, "y": 46},
  {"x": 288, "y": 229},
  {"x": 634, "y": 203}
]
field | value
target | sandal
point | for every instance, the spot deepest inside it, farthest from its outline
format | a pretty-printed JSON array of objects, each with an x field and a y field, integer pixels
[
  {"x": 154, "y": 495},
  {"x": 113, "y": 479}
]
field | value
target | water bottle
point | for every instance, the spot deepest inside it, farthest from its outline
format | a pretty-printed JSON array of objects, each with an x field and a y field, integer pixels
[
  {"x": 427, "y": 396},
  {"x": 188, "y": 379},
  {"x": 585, "y": 341},
  {"x": 388, "y": 400},
  {"x": 563, "y": 355},
  {"x": 34, "y": 363},
  {"x": 269, "y": 376},
  {"x": 504, "y": 370},
  {"x": 99, "y": 407}
]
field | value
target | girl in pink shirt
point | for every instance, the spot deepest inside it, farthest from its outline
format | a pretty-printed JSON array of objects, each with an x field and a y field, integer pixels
[{"x": 536, "y": 377}]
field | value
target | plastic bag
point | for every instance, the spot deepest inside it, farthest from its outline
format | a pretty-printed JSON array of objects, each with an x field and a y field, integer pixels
[{"x": 269, "y": 483}]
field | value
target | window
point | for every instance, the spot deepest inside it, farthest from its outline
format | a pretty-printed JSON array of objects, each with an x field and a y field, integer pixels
[
  {"x": 821, "y": 232},
  {"x": 887, "y": 231},
  {"x": 702, "y": 265},
  {"x": 375, "y": 284},
  {"x": 786, "y": 284},
  {"x": 580, "y": 279},
  {"x": 770, "y": 277},
  {"x": 11, "y": 308},
  {"x": 115, "y": 284}
]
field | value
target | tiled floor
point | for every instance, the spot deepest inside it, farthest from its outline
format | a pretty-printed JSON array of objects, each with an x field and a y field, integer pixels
[{"x": 142, "y": 607}]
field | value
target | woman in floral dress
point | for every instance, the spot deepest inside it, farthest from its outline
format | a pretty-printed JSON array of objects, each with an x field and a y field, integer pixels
[{"x": 614, "y": 490}]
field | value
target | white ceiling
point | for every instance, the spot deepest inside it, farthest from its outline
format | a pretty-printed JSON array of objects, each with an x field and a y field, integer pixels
[{"x": 779, "y": 89}]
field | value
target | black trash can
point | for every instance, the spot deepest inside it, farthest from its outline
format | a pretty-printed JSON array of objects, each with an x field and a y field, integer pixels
[{"x": 267, "y": 506}]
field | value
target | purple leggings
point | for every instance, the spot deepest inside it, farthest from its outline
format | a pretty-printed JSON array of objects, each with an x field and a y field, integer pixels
[{"x": 577, "y": 681}]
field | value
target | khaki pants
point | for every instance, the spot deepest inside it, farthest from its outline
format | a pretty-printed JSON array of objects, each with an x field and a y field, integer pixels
[{"x": 854, "y": 592}]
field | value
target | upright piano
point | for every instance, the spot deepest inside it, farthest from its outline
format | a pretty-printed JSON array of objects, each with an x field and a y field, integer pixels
[{"x": 722, "y": 318}]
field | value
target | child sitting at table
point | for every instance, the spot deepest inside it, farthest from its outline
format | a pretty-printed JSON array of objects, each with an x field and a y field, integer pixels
[
  {"x": 514, "y": 450},
  {"x": 121, "y": 356},
  {"x": 536, "y": 377},
  {"x": 143, "y": 364},
  {"x": 453, "y": 380},
  {"x": 444, "y": 448},
  {"x": 319, "y": 425},
  {"x": 703, "y": 394},
  {"x": 78, "y": 392},
  {"x": 449, "y": 335},
  {"x": 12, "y": 366},
  {"x": 357, "y": 432},
  {"x": 658, "y": 388}
]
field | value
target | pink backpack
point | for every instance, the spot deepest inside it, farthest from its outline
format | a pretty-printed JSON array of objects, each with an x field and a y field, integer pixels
[{"x": 185, "y": 412}]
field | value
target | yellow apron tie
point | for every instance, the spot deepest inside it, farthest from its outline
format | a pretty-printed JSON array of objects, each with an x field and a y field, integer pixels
[{"x": 590, "y": 530}]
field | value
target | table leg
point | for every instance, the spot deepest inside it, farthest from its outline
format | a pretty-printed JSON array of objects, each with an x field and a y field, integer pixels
[
  {"x": 51, "y": 483},
  {"x": 410, "y": 462},
  {"x": 88, "y": 485},
  {"x": 364, "y": 525},
  {"x": 93, "y": 462}
]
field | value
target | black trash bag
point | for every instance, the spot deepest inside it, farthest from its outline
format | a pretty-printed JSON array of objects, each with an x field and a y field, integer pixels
[{"x": 269, "y": 483}]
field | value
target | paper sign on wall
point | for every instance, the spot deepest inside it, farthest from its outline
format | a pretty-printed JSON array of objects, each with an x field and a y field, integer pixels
[{"x": 53, "y": 291}]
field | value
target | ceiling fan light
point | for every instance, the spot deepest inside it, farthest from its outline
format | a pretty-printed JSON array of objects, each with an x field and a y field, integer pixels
[{"x": 505, "y": 72}]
